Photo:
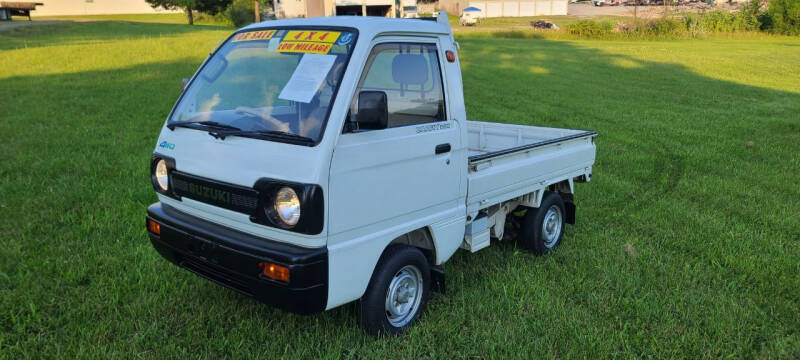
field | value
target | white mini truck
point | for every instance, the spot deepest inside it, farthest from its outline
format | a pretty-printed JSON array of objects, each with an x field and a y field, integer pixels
[{"x": 310, "y": 163}]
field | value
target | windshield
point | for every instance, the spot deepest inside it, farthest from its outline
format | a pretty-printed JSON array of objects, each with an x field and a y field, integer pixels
[{"x": 278, "y": 80}]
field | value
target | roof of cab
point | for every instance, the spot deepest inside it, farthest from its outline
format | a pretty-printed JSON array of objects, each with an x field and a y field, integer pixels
[{"x": 366, "y": 25}]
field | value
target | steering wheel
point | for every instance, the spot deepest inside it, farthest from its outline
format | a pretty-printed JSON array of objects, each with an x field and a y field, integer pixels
[
  {"x": 329, "y": 79},
  {"x": 277, "y": 124}
]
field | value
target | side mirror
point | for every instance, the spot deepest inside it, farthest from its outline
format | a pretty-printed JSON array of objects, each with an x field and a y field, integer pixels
[
  {"x": 184, "y": 82},
  {"x": 373, "y": 111}
]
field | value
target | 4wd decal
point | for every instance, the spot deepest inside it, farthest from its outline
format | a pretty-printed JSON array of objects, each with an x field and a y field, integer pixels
[
  {"x": 313, "y": 36},
  {"x": 166, "y": 145},
  {"x": 433, "y": 127},
  {"x": 307, "y": 41}
]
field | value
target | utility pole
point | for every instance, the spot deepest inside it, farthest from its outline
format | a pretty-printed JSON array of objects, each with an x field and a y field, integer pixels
[{"x": 257, "y": 11}]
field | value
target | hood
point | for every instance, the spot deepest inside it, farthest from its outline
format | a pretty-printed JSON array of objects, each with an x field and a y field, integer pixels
[{"x": 242, "y": 161}]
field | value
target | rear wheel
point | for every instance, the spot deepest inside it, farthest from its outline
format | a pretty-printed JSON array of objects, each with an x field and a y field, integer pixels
[
  {"x": 397, "y": 293},
  {"x": 543, "y": 228}
]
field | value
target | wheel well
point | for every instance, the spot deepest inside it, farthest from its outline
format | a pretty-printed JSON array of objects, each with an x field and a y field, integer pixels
[
  {"x": 423, "y": 240},
  {"x": 420, "y": 238},
  {"x": 564, "y": 189}
]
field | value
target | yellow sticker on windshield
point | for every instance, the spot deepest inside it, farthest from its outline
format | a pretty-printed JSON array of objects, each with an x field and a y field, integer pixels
[
  {"x": 254, "y": 35},
  {"x": 328, "y": 37},
  {"x": 304, "y": 47},
  {"x": 308, "y": 41}
]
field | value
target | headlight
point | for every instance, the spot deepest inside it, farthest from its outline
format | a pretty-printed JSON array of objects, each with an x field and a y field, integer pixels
[
  {"x": 161, "y": 175},
  {"x": 281, "y": 204},
  {"x": 287, "y": 206}
]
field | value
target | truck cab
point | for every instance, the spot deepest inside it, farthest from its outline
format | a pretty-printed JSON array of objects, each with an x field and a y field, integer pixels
[{"x": 310, "y": 163}]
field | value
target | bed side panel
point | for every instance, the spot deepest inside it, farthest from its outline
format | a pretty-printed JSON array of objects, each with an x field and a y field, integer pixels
[{"x": 507, "y": 176}]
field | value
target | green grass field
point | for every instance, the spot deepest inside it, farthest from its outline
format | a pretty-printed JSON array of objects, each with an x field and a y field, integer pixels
[
  {"x": 711, "y": 226},
  {"x": 170, "y": 18}
]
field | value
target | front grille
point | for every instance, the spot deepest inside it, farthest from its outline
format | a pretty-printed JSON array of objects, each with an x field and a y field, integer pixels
[
  {"x": 216, "y": 274},
  {"x": 228, "y": 196},
  {"x": 244, "y": 201}
]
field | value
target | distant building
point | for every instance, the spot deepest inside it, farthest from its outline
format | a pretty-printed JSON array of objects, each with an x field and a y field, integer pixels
[
  {"x": 506, "y": 8},
  {"x": 514, "y": 8},
  {"x": 9, "y": 9},
  {"x": 452, "y": 7},
  {"x": 95, "y": 7},
  {"x": 312, "y": 8}
]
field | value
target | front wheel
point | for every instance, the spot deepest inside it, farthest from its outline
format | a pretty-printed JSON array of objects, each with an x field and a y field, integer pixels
[
  {"x": 543, "y": 228},
  {"x": 397, "y": 293}
]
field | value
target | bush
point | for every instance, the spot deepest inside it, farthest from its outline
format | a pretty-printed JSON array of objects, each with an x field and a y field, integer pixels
[
  {"x": 716, "y": 21},
  {"x": 219, "y": 18},
  {"x": 749, "y": 18},
  {"x": 589, "y": 28},
  {"x": 663, "y": 27},
  {"x": 692, "y": 23},
  {"x": 242, "y": 12},
  {"x": 784, "y": 17},
  {"x": 746, "y": 19}
]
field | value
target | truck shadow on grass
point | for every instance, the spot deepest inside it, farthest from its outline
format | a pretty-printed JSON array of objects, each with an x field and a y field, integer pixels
[{"x": 77, "y": 146}]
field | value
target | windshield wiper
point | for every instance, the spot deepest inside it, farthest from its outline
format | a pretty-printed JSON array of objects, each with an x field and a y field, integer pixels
[
  {"x": 271, "y": 133},
  {"x": 203, "y": 125}
]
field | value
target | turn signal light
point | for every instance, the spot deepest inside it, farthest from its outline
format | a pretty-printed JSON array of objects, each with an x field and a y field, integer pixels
[
  {"x": 274, "y": 271},
  {"x": 451, "y": 57},
  {"x": 153, "y": 227}
]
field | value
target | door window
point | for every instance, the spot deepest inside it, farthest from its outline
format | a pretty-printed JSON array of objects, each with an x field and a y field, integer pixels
[{"x": 409, "y": 74}]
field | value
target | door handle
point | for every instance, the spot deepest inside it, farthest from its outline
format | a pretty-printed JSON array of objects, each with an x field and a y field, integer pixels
[{"x": 442, "y": 148}]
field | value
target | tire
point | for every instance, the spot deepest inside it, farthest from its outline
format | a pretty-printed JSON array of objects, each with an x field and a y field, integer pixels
[
  {"x": 543, "y": 228},
  {"x": 400, "y": 270}
]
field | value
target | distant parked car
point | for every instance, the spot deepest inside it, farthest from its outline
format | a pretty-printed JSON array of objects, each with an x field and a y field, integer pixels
[
  {"x": 644, "y": 2},
  {"x": 544, "y": 24},
  {"x": 470, "y": 16},
  {"x": 606, "y": 2}
]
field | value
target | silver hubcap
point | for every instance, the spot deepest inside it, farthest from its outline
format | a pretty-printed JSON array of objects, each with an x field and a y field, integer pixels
[
  {"x": 404, "y": 296},
  {"x": 551, "y": 226}
]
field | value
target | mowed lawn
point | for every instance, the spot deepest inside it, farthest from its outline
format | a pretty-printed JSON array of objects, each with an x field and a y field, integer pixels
[{"x": 687, "y": 243}]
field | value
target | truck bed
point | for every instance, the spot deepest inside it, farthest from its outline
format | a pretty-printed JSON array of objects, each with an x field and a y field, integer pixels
[
  {"x": 508, "y": 161},
  {"x": 487, "y": 139}
]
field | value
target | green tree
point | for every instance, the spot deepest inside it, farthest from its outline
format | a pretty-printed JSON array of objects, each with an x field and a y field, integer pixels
[
  {"x": 210, "y": 7},
  {"x": 785, "y": 16},
  {"x": 243, "y": 12}
]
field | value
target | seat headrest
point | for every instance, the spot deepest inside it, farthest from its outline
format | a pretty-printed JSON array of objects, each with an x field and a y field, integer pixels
[{"x": 410, "y": 69}]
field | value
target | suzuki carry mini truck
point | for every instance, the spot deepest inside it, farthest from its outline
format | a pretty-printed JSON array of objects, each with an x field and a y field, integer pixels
[{"x": 310, "y": 163}]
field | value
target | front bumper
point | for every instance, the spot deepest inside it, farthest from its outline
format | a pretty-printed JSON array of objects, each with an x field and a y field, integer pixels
[{"x": 230, "y": 258}]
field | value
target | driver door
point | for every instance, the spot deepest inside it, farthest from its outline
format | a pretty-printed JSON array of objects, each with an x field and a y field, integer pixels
[{"x": 409, "y": 171}]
